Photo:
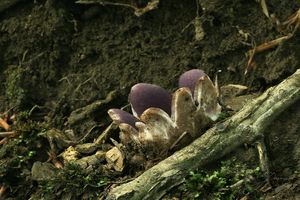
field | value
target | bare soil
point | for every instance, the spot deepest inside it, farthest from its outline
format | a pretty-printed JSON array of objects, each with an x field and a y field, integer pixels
[{"x": 61, "y": 56}]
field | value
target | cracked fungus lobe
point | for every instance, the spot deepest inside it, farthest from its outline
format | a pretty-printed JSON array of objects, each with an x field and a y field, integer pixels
[{"x": 159, "y": 119}]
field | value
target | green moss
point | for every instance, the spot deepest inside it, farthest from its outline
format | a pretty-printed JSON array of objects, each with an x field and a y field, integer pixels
[
  {"x": 74, "y": 181},
  {"x": 14, "y": 87},
  {"x": 230, "y": 181},
  {"x": 18, "y": 155},
  {"x": 223, "y": 116}
]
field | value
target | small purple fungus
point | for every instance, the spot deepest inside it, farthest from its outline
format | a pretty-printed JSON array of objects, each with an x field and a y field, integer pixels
[
  {"x": 121, "y": 116},
  {"x": 144, "y": 95},
  {"x": 204, "y": 92},
  {"x": 190, "y": 78}
]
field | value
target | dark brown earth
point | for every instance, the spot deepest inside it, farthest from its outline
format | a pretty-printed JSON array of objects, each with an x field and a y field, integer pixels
[{"x": 61, "y": 56}]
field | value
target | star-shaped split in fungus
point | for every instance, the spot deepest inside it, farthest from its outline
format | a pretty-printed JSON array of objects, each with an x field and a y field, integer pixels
[{"x": 160, "y": 119}]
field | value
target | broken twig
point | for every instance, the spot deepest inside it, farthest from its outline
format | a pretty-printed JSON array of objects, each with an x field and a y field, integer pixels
[
  {"x": 7, "y": 134},
  {"x": 261, "y": 48}
]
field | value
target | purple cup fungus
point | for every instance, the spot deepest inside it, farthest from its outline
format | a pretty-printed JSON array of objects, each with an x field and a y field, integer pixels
[
  {"x": 151, "y": 121},
  {"x": 159, "y": 118},
  {"x": 207, "y": 97},
  {"x": 203, "y": 90},
  {"x": 144, "y": 95},
  {"x": 190, "y": 78},
  {"x": 126, "y": 123},
  {"x": 120, "y": 116}
]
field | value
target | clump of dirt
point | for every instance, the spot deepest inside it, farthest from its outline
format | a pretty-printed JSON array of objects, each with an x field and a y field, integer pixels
[{"x": 58, "y": 56}]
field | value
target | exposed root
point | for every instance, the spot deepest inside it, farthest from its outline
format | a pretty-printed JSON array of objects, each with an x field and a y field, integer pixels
[
  {"x": 197, "y": 22},
  {"x": 2, "y": 191},
  {"x": 261, "y": 48},
  {"x": 178, "y": 140},
  {"x": 293, "y": 20},
  {"x": 264, "y": 8},
  {"x": 4, "y": 124},
  {"x": 153, "y": 4},
  {"x": 7, "y": 134},
  {"x": 3, "y": 141},
  {"x": 52, "y": 158},
  {"x": 263, "y": 159}
]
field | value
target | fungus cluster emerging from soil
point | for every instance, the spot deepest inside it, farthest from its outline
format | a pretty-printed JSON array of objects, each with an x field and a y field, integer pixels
[{"x": 161, "y": 121}]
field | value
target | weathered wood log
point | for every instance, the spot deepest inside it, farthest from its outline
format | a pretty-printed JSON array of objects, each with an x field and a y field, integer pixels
[{"x": 246, "y": 126}]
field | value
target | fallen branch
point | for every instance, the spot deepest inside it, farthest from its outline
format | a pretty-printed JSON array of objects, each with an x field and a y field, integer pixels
[{"x": 247, "y": 126}]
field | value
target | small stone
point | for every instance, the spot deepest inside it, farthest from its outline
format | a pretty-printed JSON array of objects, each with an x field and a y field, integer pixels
[
  {"x": 115, "y": 158},
  {"x": 42, "y": 171}
]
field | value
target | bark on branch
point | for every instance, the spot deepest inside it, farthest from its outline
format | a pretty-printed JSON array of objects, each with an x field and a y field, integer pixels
[{"x": 246, "y": 126}]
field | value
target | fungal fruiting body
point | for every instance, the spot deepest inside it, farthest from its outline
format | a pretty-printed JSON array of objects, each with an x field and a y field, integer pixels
[{"x": 159, "y": 119}]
